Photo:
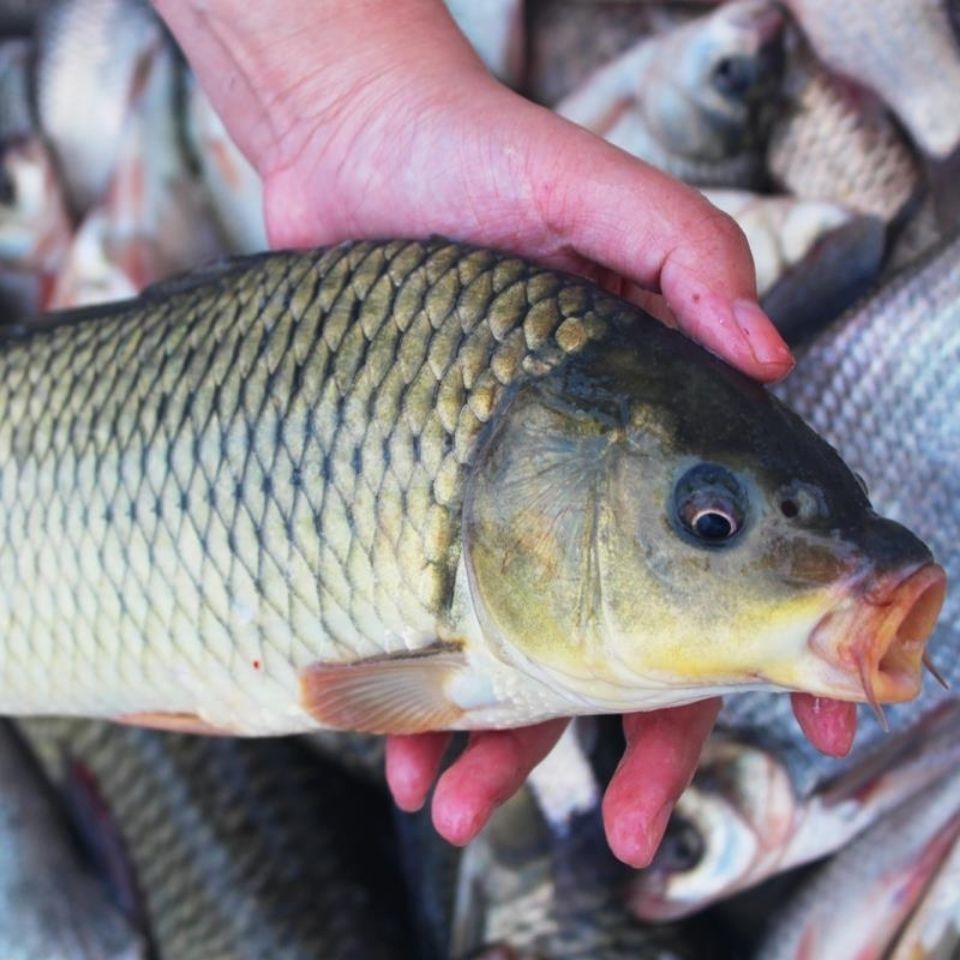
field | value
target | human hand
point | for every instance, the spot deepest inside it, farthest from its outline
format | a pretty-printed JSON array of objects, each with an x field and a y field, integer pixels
[{"x": 375, "y": 119}]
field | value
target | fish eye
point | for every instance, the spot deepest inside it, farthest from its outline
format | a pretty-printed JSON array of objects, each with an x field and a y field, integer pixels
[
  {"x": 682, "y": 847},
  {"x": 709, "y": 505},
  {"x": 734, "y": 76}
]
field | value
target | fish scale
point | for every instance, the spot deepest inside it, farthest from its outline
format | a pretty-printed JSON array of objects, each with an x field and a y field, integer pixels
[
  {"x": 247, "y": 849},
  {"x": 882, "y": 384},
  {"x": 180, "y": 473}
]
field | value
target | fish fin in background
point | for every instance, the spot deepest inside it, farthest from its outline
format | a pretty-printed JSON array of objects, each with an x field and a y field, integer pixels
[
  {"x": 174, "y": 723},
  {"x": 398, "y": 693},
  {"x": 102, "y": 839}
]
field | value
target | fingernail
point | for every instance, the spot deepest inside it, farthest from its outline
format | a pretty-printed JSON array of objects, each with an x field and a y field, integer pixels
[{"x": 754, "y": 324}]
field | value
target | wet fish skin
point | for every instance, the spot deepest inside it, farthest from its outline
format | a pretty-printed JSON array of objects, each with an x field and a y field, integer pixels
[
  {"x": 228, "y": 493},
  {"x": 881, "y": 876},
  {"x": 906, "y": 52},
  {"x": 248, "y": 849},
  {"x": 690, "y": 101},
  {"x": 832, "y": 142},
  {"x": 881, "y": 383},
  {"x": 52, "y": 904}
]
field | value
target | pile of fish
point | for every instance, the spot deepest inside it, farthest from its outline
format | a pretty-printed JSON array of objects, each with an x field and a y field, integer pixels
[{"x": 366, "y": 436}]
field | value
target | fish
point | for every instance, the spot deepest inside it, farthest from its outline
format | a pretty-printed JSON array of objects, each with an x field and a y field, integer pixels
[
  {"x": 412, "y": 485},
  {"x": 569, "y": 39},
  {"x": 232, "y": 185},
  {"x": 240, "y": 848},
  {"x": 880, "y": 876},
  {"x": 933, "y": 930},
  {"x": 813, "y": 258},
  {"x": 758, "y": 807},
  {"x": 53, "y": 905},
  {"x": 831, "y": 141},
  {"x": 154, "y": 220},
  {"x": 691, "y": 101},
  {"x": 530, "y": 891},
  {"x": 90, "y": 54},
  {"x": 881, "y": 383},
  {"x": 35, "y": 227},
  {"x": 905, "y": 52}
]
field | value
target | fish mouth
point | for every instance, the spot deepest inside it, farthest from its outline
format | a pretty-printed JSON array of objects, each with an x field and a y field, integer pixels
[{"x": 877, "y": 637}]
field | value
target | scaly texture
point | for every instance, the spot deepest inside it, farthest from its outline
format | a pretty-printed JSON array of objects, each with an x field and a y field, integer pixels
[
  {"x": 883, "y": 384},
  {"x": 205, "y": 491},
  {"x": 241, "y": 849}
]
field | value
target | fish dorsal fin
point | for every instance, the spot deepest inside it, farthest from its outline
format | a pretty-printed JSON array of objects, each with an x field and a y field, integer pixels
[{"x": 398, "y": 693}]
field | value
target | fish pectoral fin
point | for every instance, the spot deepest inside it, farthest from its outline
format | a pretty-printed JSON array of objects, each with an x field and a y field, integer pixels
[{"x": 398, "y": 693}]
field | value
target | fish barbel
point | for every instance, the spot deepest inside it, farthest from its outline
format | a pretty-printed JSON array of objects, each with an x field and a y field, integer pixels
[{"x": 405, "y": 486}]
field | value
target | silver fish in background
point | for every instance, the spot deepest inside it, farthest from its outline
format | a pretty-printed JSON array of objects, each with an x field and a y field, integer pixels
[
  {"x": 856, "y": 903},
  {"x": 831, "y": 141},
  {"x": 569, "y": 39},
  {"x": 691, "y": 101},
  {"x": 233, "y": 186},
  {"x": 758, "y": 807},
  {"x": 905, "y": 51},
  {"x": 323, "y": 474},
  {"x": 883, "y": 382},
  {"x": 154, "y": 219},
  {"x": 35, "y": 227},
  {"x": 52, "y": 905},
  {"x": 247, "y": 849},
  {"x": 528, "y": 892},
  {"x": 812, "y": 257},
  {"x": 90, "y": 53},
  {"x": 933, "y": 930}
]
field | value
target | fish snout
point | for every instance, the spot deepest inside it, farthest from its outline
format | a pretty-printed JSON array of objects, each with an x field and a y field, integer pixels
[{"x": 878, "y": 636}]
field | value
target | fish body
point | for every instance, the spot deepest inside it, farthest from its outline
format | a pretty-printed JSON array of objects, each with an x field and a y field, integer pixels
[
  {"x": 248, "y": 849},
  {"x": 53, "y": 905},
  {"x": 690, "y": 101},
  {"x": 933, "y": 930},
  {"x": 528, "y": 890},
  {"x": 905, "y": 51},
  {"x": 398, "y": 486},
  {"x": 882, "y": 383},
  {"x": 881, "y": 877},
  {"x": 232, "y": 185},
  {"x": 833, "y": 142}
]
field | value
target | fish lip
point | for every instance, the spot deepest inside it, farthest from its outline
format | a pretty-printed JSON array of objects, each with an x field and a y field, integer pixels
[{"x": 876, "y": 636}]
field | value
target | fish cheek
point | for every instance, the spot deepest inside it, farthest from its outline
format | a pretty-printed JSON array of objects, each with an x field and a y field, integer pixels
[{"x": 530, "y": 531}]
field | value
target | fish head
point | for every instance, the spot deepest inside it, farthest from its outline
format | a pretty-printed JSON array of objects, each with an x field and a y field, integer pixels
[
  {"x": 645, "y": 526},
  {"x": 709, "y": 78},
  {"x": 725, "y": 833}
]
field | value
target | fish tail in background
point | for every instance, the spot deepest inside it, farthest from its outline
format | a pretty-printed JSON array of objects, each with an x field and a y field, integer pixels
[
  {"x": 241, "y": 848},
  {"x": 51, "y": 902}
]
